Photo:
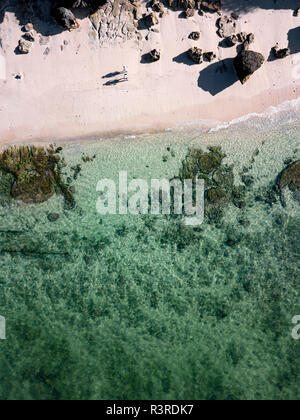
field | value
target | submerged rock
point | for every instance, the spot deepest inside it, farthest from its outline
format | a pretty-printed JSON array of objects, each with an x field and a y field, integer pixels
[
  {"x": 36, "y": 173},
  {"x": 211, "y": 6},
  {"x": 246, "y": 63},
  {"x": 232, "y": 40},
  {"x": 289, "y": 179}
]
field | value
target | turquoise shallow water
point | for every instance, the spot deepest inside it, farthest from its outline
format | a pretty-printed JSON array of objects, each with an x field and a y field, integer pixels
[{"x": 144, "y": 307}]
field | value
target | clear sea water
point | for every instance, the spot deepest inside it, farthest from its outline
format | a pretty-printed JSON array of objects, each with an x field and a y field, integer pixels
[{"x": 143, "y": 307}]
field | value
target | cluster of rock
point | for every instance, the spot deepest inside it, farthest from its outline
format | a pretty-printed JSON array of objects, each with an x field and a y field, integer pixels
[
  {"x": 246, "y": 63},
  {"x": 227, "y": 30},
  {"x": 195, "y": 36},
  {"x": 211, "y": 6},
  {"x": 218, "y": 179},
  {"x": 36, "y": 173},
  {"x": 159, "y": 11},
  {"x": 26, "y": 42},
  {"x": 117, "y": 21},
  {"x": 196, "y": 54}
]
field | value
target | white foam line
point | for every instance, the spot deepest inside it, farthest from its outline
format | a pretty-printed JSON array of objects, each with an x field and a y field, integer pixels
[{"x": 269, "y": 112}]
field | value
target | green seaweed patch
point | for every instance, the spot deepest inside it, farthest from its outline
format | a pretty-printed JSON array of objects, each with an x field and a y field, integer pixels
[
  {"x": 36, "y": 173},
  {"x": 218, "y": 179}
]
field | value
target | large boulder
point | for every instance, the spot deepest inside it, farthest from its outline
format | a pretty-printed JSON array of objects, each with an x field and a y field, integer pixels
[
  {"x": 289, "y": 179},
  {"x": 246, "y": 63},
  {"x": 65, "y": 18}
]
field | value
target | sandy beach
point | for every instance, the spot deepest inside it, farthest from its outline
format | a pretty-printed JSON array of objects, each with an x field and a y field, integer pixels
[{"x": 59, "y": 90}]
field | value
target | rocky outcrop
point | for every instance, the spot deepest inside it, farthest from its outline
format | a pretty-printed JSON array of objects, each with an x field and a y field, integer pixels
[
  {"x": 117, "y": 21},
  {"x": 196, "y": 54},
  {"x": 65, "y": 18},
  {"x": 36, "y": 173},
  {"x": 289, "y": 179},
  {"x": 280, "y": 53},
  {"x": 246, "y": 63}
]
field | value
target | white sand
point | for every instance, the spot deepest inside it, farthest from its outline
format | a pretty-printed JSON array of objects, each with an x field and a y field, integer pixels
[{"x": 62, "y": 94}]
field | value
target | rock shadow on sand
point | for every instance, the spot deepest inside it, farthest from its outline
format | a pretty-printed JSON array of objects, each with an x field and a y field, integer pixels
[
  {"x": 183, "y": 58},
  {"x": 217, "y": 77},
  {"x": 294, "y": 40}
]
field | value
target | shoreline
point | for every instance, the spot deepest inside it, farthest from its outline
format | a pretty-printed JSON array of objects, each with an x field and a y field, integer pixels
[{"x": 202, "y": 126}]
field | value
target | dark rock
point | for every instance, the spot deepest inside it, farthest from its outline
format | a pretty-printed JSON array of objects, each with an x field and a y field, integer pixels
[
  {"x": 209, "y": 56},
  {"x": 189, "y": 13},
  {"x": 289, "y": 179},
  {"x": 187, "y": 4},
  {"x": 195, "y": 36},
  {"x": 217, "y": 198},
  {"x": 281, "y": 53},
  {"x": 151, "y": 20},
  {"x": 196, "y": 55},
  {"x": 242, "y": 37},
  {"x": 211, "y": 6},
  {"x": 30, "y": 36},
  {"x": 154, "y": 55},
  {"x": 65, "y": 18},
  {"x": 53, "y": 217},
  {"x": 246, "y": 63},
  {"x": 158, "y": 6},
  {"x": 227, "y": 26},
  {"x": 77, "y": 169},
  {"x": 232, "y": 40},
  {"x": 224, "y": 177},
  {"x": 248, "y": 180}
]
